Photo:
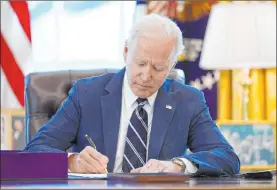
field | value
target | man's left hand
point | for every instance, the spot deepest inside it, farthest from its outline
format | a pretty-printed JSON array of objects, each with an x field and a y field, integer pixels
[{"x": 157, "y": 166}]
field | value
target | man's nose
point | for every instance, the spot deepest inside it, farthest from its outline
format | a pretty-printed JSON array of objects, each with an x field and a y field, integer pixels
[{"x": 147, "y": 73}]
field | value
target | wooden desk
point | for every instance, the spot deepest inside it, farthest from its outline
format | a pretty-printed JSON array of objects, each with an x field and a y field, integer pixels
[{"x": 193, "y": 183}]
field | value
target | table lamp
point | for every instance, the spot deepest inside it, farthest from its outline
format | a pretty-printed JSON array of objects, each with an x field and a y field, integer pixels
[{"x": 240, "y": 35}]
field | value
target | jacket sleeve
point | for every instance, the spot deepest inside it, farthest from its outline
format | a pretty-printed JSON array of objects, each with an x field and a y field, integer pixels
[
  {"x": 59, "y": 133},
  {"x": 211, "y": 152}
]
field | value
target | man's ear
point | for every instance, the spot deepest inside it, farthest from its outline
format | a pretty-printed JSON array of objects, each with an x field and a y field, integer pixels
[{"x": 125, "y": 51}]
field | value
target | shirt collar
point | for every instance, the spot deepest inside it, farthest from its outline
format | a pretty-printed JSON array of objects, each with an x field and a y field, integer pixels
[{"x": 130, "y": 97}]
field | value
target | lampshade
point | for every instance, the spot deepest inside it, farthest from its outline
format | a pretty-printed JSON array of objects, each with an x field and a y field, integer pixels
[{"x": 240, "y": 35}]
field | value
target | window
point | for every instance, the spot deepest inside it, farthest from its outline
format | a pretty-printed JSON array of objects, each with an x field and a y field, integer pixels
[{"x": 79, "y": 34}]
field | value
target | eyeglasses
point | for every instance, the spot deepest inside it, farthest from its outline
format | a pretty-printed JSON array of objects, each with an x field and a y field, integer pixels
[{"x": 159, "y": 65}]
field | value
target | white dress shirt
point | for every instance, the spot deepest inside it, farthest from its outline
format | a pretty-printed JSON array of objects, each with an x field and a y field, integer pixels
[{"x": 127, "y": 107}]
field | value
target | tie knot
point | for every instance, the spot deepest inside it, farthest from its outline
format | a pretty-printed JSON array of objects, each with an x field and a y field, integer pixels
[{"x": 142, "y": 101}]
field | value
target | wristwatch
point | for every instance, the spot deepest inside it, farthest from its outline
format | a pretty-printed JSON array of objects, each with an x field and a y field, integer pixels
[{"x": 180, "y": 163}]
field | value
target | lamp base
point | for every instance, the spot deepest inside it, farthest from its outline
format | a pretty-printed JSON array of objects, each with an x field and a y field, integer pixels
[{"x": 245, "y": 83}]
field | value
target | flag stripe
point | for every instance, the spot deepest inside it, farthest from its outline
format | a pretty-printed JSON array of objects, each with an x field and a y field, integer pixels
[
  {"x": 15, "y": 37},
  {"x": 157, "y": 6},
  {"x": 165, "y": 8},
  {"x": 15, "y": 46},
  {"x": 13, "y": 73},
  {"x": 21, "y": 8}
]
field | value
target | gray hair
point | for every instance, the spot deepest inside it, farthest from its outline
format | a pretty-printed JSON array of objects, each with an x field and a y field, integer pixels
[{"x": 148, "y": 26}]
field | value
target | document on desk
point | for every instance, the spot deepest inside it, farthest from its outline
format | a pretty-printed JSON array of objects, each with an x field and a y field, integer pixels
[{"x": 86, "y": 176}]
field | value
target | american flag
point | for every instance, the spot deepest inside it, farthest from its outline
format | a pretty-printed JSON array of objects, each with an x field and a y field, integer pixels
[
  {"x": 15, "y": 51},
  {"x": 165, "y": 8}
]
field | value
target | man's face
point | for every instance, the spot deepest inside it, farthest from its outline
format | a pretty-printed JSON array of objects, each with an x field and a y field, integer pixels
[{"x": 148, "y": 64}]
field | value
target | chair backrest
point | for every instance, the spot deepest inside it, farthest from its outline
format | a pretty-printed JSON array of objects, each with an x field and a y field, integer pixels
[{"x": 44, "y": 92}]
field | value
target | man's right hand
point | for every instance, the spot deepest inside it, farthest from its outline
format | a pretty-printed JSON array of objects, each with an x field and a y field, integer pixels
[{"x": 88, "y": 160}]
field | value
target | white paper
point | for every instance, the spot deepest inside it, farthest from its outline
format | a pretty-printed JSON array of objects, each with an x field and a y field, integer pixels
[{"x": 91, "y": 176}]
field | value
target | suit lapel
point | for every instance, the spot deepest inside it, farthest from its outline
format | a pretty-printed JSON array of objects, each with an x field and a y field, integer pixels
[
  {"x": 111, "y": 111},
  {"x": 164, "y": 109}
]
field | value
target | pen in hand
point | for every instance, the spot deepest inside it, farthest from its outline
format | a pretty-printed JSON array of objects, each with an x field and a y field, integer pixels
[{"x": 91, "y": 143}]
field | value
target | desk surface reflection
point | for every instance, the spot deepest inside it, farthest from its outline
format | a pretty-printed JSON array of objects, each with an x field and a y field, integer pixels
[{"x": 193, "y": 183}]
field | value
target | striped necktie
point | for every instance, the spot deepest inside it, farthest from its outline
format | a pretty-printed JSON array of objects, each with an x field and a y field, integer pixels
[{"x": 136, "y": 139}]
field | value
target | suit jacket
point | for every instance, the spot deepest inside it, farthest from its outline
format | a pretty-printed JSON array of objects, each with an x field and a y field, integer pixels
[{"x": 93, "y": 107}]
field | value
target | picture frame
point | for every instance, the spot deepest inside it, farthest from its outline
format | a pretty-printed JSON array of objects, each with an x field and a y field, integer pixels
[
  {"x": 253, "y": 141},
  {"x": 5, "y": 143},
  {"x": 13, "y": 128}
]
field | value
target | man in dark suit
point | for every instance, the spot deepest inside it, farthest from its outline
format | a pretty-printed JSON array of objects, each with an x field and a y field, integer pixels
[
  {"x": 18, "y": 133},
  {"x": 139, "y": 120}
]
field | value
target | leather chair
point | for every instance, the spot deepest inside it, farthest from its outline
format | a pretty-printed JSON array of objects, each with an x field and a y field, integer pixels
[{"x": 44, "y": 92}]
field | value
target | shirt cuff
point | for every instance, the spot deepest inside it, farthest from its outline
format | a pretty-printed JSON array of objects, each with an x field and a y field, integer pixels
[
  {"x": 68, "y": 155},
  {"x": 190, "y": 168}
]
